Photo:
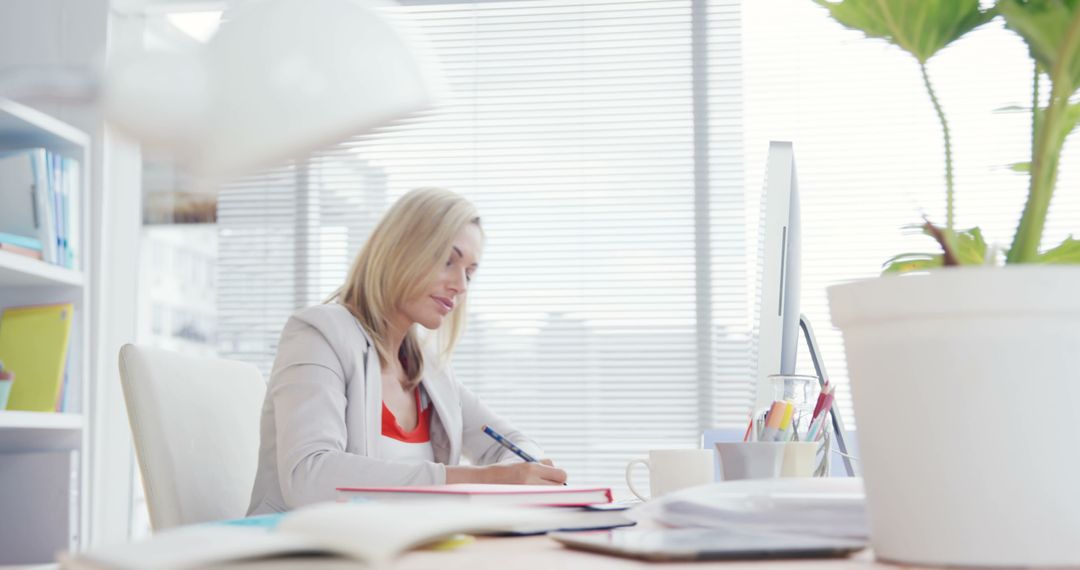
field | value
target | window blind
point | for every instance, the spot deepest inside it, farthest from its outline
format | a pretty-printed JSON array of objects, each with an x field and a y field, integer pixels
[
  {"x": 287, "y": 239},
  {"x": 578, "y": 129},
  {"x": 616, "y": 151},
  {"x": 868, "y": 145}
]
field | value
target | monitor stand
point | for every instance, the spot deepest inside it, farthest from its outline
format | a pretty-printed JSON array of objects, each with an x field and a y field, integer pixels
[{"x": 819, "y": 367}]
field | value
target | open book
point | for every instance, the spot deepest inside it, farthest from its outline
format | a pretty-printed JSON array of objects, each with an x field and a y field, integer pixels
[
  {"x": 486, "y": 494},
  {"x": 370, "y": 532}
]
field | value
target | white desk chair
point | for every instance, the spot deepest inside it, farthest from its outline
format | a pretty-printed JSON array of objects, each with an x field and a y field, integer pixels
[{"x": 195, "y": 423}]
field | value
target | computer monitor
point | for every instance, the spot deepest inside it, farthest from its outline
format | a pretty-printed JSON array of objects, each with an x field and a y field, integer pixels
[
  {"x": 776, "y": 332},
  {"x": 779, "y": 319},
  {"x": 779, "y": 271}
]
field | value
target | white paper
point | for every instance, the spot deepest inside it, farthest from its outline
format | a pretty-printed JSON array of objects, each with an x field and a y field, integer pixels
[{"x": 831, "y": 507}]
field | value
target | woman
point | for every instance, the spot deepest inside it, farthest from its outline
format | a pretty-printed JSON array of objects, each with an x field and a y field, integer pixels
[{"x": 353, "y": 399}]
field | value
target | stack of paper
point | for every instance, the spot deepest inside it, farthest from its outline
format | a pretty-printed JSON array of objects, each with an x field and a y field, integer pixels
[{"x": 831, "y": 507}]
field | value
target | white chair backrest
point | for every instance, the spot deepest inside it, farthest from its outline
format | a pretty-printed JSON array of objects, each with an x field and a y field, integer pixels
[{"x": 195, "y": 423}]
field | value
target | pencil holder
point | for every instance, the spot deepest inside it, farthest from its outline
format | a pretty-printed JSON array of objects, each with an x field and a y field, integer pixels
[
  {"x": 768, "y": 459},
  {"x": 800, "y": 459},
  {"x": 750, "y": 459}
]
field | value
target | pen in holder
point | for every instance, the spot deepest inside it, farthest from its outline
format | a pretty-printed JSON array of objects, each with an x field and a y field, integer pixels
[
  {"x": 824, "y": 465},
  {"x": 792, "y": 437}
]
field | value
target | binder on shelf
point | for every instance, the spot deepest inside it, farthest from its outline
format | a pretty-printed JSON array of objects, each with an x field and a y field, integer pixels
[
  {"x": 39, "y": 205},
  {"x": 19, "y": 245},
  {"x": 18, "y": 208},
  {"x": 20, "y": 241},
  {"x": 44, "y": 221},
  {"x": 34, "y": 346},
  {"x": 64, "y": 403},
  {"x": 71, "y": 212}
]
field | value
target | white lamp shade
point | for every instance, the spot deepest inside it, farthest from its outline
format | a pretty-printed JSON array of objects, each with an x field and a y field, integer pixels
[{"x": 280, "y": 79}]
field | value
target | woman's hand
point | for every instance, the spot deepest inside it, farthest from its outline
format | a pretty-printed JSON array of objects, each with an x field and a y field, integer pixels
[{"x": 543, "y": 472}]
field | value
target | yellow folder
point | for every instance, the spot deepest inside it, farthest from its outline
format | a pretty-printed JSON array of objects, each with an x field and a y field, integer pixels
[{"x": 33, "y": 346}]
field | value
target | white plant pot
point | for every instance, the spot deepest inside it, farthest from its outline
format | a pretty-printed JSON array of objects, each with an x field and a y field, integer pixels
[{"x": 966, "y": 385}]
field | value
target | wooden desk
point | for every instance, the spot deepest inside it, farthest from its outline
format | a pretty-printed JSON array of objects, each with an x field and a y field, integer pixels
[
  {"x": 541, "y": 552},
  {"x": 536, "y": 553}
]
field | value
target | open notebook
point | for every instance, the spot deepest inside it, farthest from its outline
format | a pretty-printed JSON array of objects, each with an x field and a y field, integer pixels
[
  {"x": 486, "y": 494},
  {"x": 370, "y": 532}
]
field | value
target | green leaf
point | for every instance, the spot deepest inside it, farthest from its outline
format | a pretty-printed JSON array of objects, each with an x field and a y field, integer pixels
[
  {"x": 1051, "y": 29},
  {"x": 1051, "y": 35},
  {"x": 970, "y": 249},
  {"x": 1067, "y": 252},
  {"x": 919, "y": 27},
  {"x": 909, "y": 262},
  {"x": 1069, "y": 119}
]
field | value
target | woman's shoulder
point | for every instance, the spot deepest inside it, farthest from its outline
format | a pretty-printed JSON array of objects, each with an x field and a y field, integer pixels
[
  {"x": 327, "y": 334},
  {"x": 333, "y": 312},
  {"x": 331, "y": 320}
]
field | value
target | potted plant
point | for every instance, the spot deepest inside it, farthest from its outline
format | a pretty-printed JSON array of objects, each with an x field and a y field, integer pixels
[{"x": 965, "y": 375}]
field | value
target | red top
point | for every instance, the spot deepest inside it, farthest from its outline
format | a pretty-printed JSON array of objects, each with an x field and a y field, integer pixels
[{"x": 420, "y": 434}]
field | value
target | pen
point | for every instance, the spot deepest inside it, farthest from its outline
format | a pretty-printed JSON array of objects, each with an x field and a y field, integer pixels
[
  {"x": 508, "y": 444},
  {"x": 820, "y": 400},
  {"x": 785, "y": 422},
  {"x": 749, "y": 428},
  {"x": 821, "y": 406},
  {"x": 815, "y": 430},
  {"x": 772, "y": 423},
  {"x": 817, "y": 427}
]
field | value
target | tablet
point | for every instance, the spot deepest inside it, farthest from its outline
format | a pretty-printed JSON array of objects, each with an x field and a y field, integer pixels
[{"x": 706, "y": 544}]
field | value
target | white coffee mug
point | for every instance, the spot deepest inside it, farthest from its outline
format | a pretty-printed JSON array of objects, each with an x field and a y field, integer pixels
[{"x": 673, "y": 469}]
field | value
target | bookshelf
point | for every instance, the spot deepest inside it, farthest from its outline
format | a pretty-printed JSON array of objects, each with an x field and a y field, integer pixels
[
  {"x": 22, "y": 432},
  {"x": 19, "y": 271},
  {"x": 37, "y": 420},
  {"x": 44, "y": 478}
]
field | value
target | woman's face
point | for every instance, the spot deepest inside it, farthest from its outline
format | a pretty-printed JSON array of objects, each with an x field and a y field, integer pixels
[{"x": 449, "y": 288}]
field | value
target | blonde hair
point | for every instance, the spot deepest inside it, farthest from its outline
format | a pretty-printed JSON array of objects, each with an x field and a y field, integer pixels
[{"x": 399, "y": 261}]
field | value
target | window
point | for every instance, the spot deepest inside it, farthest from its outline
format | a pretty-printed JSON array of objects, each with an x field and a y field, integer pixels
[
  {"x": 868, "y": 146},
  {"x": 579, "y": 129},
  {"x": 616, "y": 151}
]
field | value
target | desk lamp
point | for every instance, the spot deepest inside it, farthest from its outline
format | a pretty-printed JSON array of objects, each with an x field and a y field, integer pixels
[{"x": 279, "y": 79}]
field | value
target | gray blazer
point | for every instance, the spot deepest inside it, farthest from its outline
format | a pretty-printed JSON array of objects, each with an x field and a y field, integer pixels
[{"x": 323, "y": 414}]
